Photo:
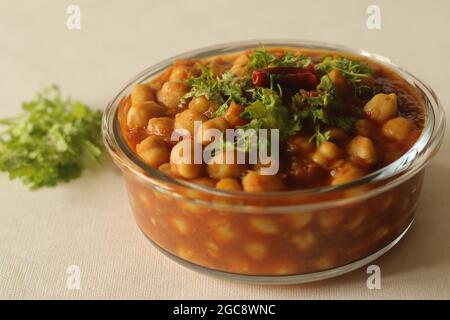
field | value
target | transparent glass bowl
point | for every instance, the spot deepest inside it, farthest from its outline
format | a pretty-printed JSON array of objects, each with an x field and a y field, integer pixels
[{"x": 276, "y": 237}]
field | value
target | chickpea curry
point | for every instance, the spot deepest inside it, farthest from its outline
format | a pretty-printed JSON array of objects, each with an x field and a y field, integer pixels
[{"x": 339, "y": 117}]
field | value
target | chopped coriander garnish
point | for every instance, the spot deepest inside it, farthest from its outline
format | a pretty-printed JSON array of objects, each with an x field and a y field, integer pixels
[
  {"x": 344, "y": 122},
  {"x": 354, "y": 71},
  {"x": 291, "y": 60},
  {"x": 317, "y": 109},
  {"x": 320, "y": 137},
  {"x": 266, "y": 102},
  {"x": 222, "y": 90},
  {"x": 47, "y": 144},
  {"x": 207, "y": 85},
  {"x": 234, "y": 87},
  {"x": 267, "y": 112},
  {"x": 260, "y": 58}
]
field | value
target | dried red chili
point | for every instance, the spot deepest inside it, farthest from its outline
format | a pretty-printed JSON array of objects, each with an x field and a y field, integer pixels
[{"x": 291, "y": 77}]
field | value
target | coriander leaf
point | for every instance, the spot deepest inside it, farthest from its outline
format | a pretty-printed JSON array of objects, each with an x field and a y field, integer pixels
[
  {"x": 260, "y": 58},
  {"x": 221, "y": 110},
  {"x": 344, "y": 122},
  {"x": 45, "y": 145},
  {"x": 321, "y": 108},
  {"x": 222, "y": 90},
  {"x": 234, "y": 87},
  {"x": 354, "y": 71},
  {"x": 320, "y": 137},
  {"x": 325, "y": 95},
  {"x": 204, "y": 85},
  {"x": 291, "y": 60},
  {"x": 268, "y": 112}
]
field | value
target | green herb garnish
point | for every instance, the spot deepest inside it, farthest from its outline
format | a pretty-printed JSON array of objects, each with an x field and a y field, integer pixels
[
  {"x": 260, "y": 58},
  {"x": 48, "y": 143},
  {"x": 354, "y": 71},
  {"x": 207, "y": 85},
  {"x": 267, "y": 112},
  {"x": 266, "y": 108},
  {"x": 319, "y": 137},
  {"x": 222, "y": 90},
  {"x": 321, "y": 109}
]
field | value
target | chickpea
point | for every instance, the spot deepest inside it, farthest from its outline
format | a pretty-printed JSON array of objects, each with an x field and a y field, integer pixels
[
  {"x": 212, "y": 108},
  {"x": 170, "y": 95},
  {"x": 162, "y": 126},
  {"x": 256, "y": 250},
  {"x": 218, "y": 123},
  {"x": 223, "y": 229},
  {"x": 153, "y": 150},
  {"x": 346, "y": 173},
  {"x": 239, "y": 67},
  {"x": 328, "y": 155},
  {"x": 233, "y": 115},
  {"x": 199, "y": 104},
  {"x": 165, "y": 168},
  {"x": 179, "y": 73},
  {"x": 139, "y": 114},
  {"x": 337, "y": 134},
  {"x": 141, "y": 93},
  {"x": 156, "y": 85},
  {"x": 300, "y": 145},
  {"x": 219, "y": 66},
  {"x": 381, "y": 107},
  {"x": 264, "y": 225},
  {"x": 270, "y": 163},
  {"x": 186, "y": 120},
  {"x": 303, "y": 171},
  {"x": 181, "y": 225},
  {"x": 364, "y": 127},
  {"x": 397, "y": 129},
  {"x": 362, "y": 151},
  {"x": 182, "y": 160},
  {"x": 229, "y": 184},
  {"x": 254, "y": 182},
  {"x": 220, "y": 167},
  {"x": 207, "y": 182},
  {"x": 203, "y": 106},
  {"x": 304, "y": 241},
  {"x": 340, "y": 82}
]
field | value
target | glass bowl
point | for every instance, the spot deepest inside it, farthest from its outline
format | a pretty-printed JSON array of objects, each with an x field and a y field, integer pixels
[{"x": 276, "y": 237}]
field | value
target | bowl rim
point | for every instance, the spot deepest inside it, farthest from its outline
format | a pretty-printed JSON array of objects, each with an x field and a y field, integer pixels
[{"x": 409, "y": 164}]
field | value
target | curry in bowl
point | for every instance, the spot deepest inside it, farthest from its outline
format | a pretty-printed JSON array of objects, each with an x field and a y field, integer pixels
[{"x": 342, "y": 122}]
